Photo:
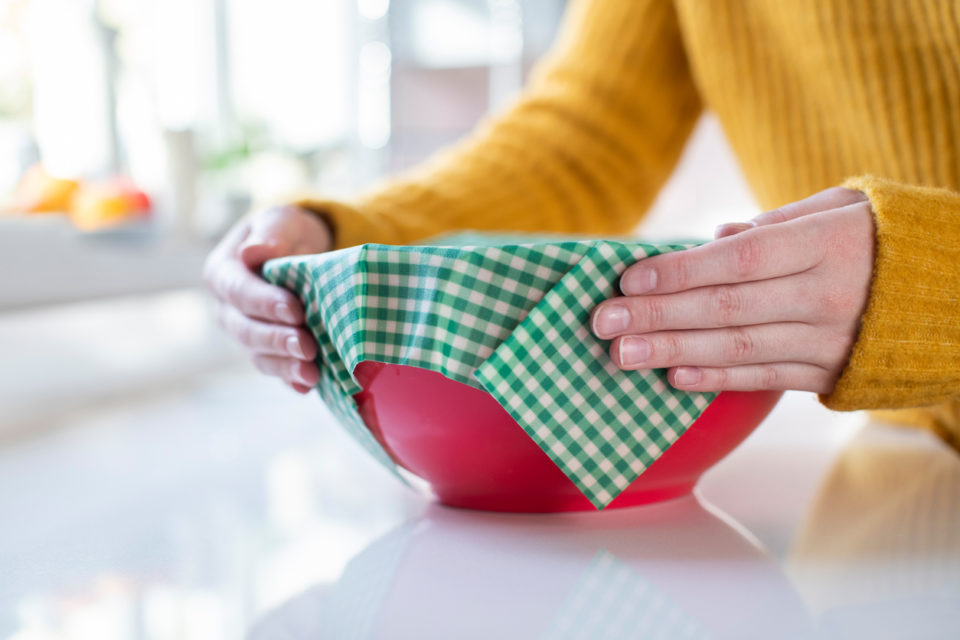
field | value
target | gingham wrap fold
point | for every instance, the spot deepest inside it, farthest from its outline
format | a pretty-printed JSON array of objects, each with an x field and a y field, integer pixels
[{"x": 508, "y": 317}]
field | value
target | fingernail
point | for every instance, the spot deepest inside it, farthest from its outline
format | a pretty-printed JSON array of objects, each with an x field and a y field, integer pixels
[
  {"x": 687, "y": 376},
  {"x": 259, "y": 240},
  {"x": 299, "y": 377},
  {"x": 252, "y": 241},
  {"x": 293, "y": 346},
  {"x": 634, "y": 351},
  {"x": 611, "y": 320},
  {"x": 285, "y": 313},
  {"x": 638, "y": 281}
]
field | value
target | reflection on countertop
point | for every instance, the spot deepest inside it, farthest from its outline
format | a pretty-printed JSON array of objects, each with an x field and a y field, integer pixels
[
  {"x": 659, "y": 571},
  {"x": 879, "y": 553}
]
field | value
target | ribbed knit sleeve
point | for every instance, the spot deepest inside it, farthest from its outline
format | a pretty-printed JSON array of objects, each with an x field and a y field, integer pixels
[
  {"x": 907, "y": 353},
  {"x": 585, "y": 149}
]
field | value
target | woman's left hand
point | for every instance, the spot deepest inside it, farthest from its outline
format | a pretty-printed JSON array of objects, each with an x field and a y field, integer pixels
[{"x": 770, "y": 304}]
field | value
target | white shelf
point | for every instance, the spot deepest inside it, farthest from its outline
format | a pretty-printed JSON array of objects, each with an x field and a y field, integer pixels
[{"x": 45, "y": 260}]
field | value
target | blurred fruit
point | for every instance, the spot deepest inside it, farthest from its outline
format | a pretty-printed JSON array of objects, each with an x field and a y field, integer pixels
[
  {"x": 40, "y": 192},
  {"x": 106, "y": 204},
  {"x": 90, "y": 205}
]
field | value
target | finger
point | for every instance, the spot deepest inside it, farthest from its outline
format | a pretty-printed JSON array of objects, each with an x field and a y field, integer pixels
[
  {"x": 265, "y": 338},
  {"x": 788, "y": 299},
  {"x": 782, "y": 376},
  {"x": 731, "y": 229},
  {"x": 290, "y": 370},
  {"x": 780, "y": 342},
  {"x": 300, "y": 388},
  {"x": 832, "y": 198},
  {"x": 237, "y": 286},
  {"x": 757, "y": 254}
]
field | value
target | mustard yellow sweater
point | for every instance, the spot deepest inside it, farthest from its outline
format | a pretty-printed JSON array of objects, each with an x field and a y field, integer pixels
[{"x": 810, "y": 93}]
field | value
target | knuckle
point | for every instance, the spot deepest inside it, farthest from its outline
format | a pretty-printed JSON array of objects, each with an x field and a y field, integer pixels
[
  {"x": 727, "y": 304},
  {"x": 244, "y": 333},
  {"x": 835, "y": 301},
  {"x": 656, "y": 312},
  {"x": 682, "y": 271},
  {"x": 722, "y": 377},
  {"x": 776, "y": 215},
  {"x": 260, "y": 337},
  {"x": 277, "y": 341},
  {"x": 769, "y": 377},
  {"x": 670, "y": 347},
  {"x": 747, "y": 254},
  {"x": 740, "y": 346}
]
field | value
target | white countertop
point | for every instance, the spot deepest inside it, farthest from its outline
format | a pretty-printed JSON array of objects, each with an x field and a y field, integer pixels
[{"x": 227, "y": 507}]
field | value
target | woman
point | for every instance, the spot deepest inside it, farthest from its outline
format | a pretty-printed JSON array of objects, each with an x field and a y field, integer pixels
[{"x": 848, "y": 110}]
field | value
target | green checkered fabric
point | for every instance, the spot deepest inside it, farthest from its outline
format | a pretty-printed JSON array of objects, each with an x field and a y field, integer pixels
[
  {"x": 510, "y": 318},
  {"x": 612, "y": 600}
]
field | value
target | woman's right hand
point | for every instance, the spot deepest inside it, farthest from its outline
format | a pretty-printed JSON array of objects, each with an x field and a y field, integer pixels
[{"x": 267, "y": 320}]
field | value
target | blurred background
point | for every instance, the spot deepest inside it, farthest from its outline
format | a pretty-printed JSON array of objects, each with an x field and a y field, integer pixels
[{"x": 132, "y": 134}]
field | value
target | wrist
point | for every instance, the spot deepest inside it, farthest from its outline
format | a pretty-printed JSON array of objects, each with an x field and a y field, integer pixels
[
  {"x": 909, "y": 341},
  {"x": 323, "y": 219}
]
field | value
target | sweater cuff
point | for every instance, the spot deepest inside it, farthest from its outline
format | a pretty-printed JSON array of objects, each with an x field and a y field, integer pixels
[
  {"x": 907, "y": 353},
  {"x": 349, "y": 225}
]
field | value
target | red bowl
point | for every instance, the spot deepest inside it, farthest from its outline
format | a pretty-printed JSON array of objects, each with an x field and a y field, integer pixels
[{"x": 474, "y": 455}]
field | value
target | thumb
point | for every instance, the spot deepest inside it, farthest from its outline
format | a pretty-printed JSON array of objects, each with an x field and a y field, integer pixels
[
  {"x": 256, "y": 250},
  {"x": 272, "y": 234}
]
